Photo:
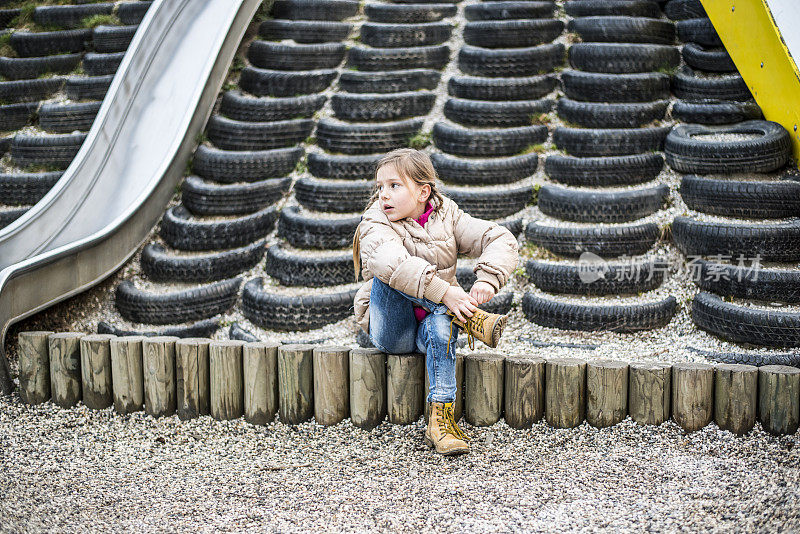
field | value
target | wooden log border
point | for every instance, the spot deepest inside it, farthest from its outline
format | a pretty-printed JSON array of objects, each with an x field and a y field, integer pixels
[{"x": 298, "y": 381}]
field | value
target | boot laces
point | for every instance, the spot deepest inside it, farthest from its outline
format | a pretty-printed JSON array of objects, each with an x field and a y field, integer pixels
[
  {"x": 470, "y": 337},
  {"x": 447, "y": 420}
]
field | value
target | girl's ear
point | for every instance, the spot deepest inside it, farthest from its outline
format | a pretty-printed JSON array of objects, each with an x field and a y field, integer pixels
[{"x": 424, "y": 192}]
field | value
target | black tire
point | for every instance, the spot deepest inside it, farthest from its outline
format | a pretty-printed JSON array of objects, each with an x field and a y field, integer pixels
[
  {"x": 715, "y": 113},
  {"x": 65, "y": 118},
  {"x": 699, "y": 30},
  {"x": 365, "y": 138},
  {"x": 512, "y": 33},
  {"x": 620, "y": 58},
  {"x": 707, "y": 59},
  {"x": 132, "y": 12},
  {"x": 504, "y": 62},
  {"x": 9, "y": 216},
  {"x": 25, "y": 68},
  {"x": 207, "y": 198},
  {"x": 113, "y": 38},
  {"x": 767, "y": 152},
  {"x": 87, "y": 87},
  {"x": 335, "y": 167},
  {"x": 608, "y": 242},
  {"x": 602, "y": 115},
  {"x": 314, "y": 9},
  {"x": 15, "y": 116},
  {"x": 26, "y": 188},
  {"x": 390, "y": 35},
  {"x": 770, "y": 242},
  {"x": 180, "y": 231},
  {"x": 30, "y": 90},
  {"x": 509, "y": 10},
  {"x": 380, "y": 59},
  {"x": 754, "y": 282},
  {"x": 245, "y": 166},
  {"x": 389, "y": 82},
  {"x": 284, "y": 312},
  {"x": 610, "y": 88},
  {"x": 630, "y": 8},
  {"x": 333, "y": 196},
  {"x": 102, "y": 64},
  {"x": 620, "y": 278},
  {"x": 307, "y": 231},
  {"x": 684, "y": 9},
  {"x": 490, "y": 171},
  {"x": 305, "y": 31},
  {"x": 309, "y": 271},
  {"x": 609, "y": 142},
  {"x": 750, "y": 358},
  {"x": 487, "y": 142},
  {"x": 745, "y": 325},
  {"x": 490, "y": 204},
  {"x": 604, "y": 171},
  {"x": 600, "y": 206},
  {"x": 161, "y": 266},
  {"x": 620, "y": 29},
  {"x": 229, "y": 134},
  {"x": 408, "y": 14},
  {"x": 53, "y": 150},
  {"x": 744, "y": 199},
  {"x": 688, "y": 86},
  {"x": 295, "y": 57},
  {"x": 501, "y": 89},
  {"x": 394, "y": 106},
  {"x": 29, "y": 44},
  {"x": 239, "y": 333},
  {"x": 204, "y": 328},
  {"x": 263, "y": 82},
  {"x": 178, "y": 306},
  {"x": 593, "y": 318},
  {"x": 69, "y": 17},
  {"x": 516, "y": 226},
  {"x": 7, "y": 16},
  {"x": 242, "y": 107},
  {"x": 495, "y": 114}
]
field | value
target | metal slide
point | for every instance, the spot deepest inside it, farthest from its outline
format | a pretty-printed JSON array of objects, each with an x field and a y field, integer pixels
[{"x": 111, "y": 196}]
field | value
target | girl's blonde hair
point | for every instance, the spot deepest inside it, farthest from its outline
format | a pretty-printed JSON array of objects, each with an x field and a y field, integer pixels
[{"x": 410, "y": 164}]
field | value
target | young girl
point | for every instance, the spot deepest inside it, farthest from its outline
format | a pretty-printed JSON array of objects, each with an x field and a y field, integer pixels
[{"x": 407, "y": 242}]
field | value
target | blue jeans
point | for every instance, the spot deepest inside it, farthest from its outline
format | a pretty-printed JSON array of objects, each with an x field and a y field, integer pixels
[{"x": 394, "y": 330}]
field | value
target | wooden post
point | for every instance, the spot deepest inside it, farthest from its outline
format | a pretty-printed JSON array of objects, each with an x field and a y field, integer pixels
[
  {"x": 458, "y": 404},
  {"x": 735, "y": 397},
  {"x": 692, "y": 395},
  {"x": 192, "y": 377},
  {"x": 34, "y": 367},
  {"x": 97, "y": 388},
  {"x": 331, "y": 384},
  {"x": 367, "y": 387},
  {"x": 524, "y": 390},
  {"x": 65, "y": 368},
  {"x": 606, "y": 392},
  {"x": 260, "y": 364},
  {"x": 778, "y": 400},
  {"x": 158, "y": 354},
  {"x": 296, "y": 382},
  {"x": 483, "y": 388},
  {"x": 565, "y": 392},
  {"x": 405, "y": 377},
  {"x": 227, "y": 383},
  {"x": 649, "y": 392},
  {"x": 127, "y": 373}
]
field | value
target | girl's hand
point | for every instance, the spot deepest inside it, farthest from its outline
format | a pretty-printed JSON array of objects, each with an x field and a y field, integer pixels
[
  {"x": 482, "y": 291},
  {"x": 462, "y": 305}
]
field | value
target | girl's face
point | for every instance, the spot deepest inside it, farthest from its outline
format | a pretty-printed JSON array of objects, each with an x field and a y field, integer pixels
[{"x": 400, "y": 198}]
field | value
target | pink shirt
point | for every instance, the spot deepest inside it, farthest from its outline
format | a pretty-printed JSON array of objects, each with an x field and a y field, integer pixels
[{"x": 420, "y": 312}]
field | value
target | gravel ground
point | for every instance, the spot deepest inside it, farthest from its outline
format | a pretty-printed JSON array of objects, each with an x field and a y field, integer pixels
[{"x": 79, "y": 469}]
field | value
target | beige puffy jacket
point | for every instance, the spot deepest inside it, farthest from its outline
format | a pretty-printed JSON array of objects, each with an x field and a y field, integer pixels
[{"x": 422, "y": 261}]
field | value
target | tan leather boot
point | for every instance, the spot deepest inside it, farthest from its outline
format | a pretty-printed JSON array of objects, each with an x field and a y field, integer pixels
[
  {"x": 442, "y": 432},
  {"x": 485, "y": 326}
]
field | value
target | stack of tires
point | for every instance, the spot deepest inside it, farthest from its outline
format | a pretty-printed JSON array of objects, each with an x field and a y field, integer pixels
[
  {"x": 44, "y": 86},
  {"x": 743, "y": 239},
  {"x": 708, "y": 87},
  {"x": 615, "y": 94}
]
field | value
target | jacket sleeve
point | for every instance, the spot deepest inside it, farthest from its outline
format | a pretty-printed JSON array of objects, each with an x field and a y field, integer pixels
[
  {"x": 385, "y": 257},
  {"x": 495, "y": 247}
]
